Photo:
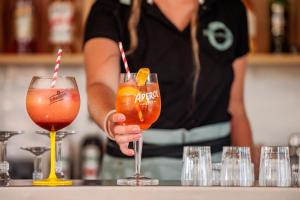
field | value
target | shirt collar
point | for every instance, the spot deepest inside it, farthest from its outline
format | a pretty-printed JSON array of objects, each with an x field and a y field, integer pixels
[
  {"x": 151, "y": 9},
  {"x": 206, "y": 5}
]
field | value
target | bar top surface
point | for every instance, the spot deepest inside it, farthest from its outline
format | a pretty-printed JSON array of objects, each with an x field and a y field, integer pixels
[{"x": 107, "y": 190}]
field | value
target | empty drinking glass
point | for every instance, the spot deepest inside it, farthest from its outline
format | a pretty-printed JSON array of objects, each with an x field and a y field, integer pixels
[
  {"x": 197, "y": 167},
  {"x": 4, "y": 165},
  {"x": 216, "y": 173},
  {"x": 297, "y": 170},
  {"x": 236, "y": 167},
  {"x": 295, "y": 174},
  {"x": 60, "y": 135},
  {"x": 275, "y": 167},
  {"x": 37, "y": 152}
]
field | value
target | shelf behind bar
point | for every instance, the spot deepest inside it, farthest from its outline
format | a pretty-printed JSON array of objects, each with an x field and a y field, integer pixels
[
  {"x": 77, "y": 59},
  {"x": 274, "y": 59},
  {"x": 39, "y": 59}
]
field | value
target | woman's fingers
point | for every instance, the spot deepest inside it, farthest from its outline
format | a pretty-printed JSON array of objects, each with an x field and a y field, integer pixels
[
  {"x": 120, "y": 139},
  {"x": 124, "y": 134},
  {"x": 130, "y": 129},
  {"x": 118, "y": 118},
  {"x": 125, "y": 150}
]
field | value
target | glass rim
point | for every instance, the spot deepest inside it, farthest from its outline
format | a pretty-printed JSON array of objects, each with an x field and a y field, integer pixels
[
  {"x": 14, "y": 132},
  {"x": 236, "y": 147},
  {"x": 135, "y": 73},
  {"x": 51, "y": 77},
  {"x": 189, "y": 149},
  {"x": 196, "y": 147},
  {"x": 274, "y": 149}
]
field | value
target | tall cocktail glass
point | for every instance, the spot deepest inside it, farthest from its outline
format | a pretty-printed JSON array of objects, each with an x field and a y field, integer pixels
[
  {"x": 53, "y": 108},
  {"x": 141, "y": 105}
]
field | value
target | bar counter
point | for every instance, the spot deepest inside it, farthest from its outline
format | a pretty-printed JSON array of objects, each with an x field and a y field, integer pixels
[{"x": 107, "y": 190}]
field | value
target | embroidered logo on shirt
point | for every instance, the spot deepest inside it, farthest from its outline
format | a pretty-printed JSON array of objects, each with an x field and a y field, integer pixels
[{"x": 219, "y": 35}]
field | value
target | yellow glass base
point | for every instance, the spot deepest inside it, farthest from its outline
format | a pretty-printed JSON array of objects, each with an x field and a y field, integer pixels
[{"x": 52, "y": 182}]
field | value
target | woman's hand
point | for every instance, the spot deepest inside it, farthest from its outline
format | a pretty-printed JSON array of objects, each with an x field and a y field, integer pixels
[{"x": 123, "y": 134}]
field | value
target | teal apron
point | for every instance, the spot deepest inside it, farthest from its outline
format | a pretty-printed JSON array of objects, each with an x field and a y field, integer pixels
[{"x": 166, "y": 167}]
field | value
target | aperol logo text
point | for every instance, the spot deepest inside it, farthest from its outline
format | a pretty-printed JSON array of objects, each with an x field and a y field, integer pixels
[
  {"x": 148, "y": 97},
  {"x": 59, "y": 96}
]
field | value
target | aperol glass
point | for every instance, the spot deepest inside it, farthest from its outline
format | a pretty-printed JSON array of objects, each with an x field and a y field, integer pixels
[
  {"x": 53, "y": 108},
  {"x": 141, "y": 104}
]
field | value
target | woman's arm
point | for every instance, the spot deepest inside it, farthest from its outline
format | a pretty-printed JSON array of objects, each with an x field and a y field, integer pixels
[
  {"x": 101, "y": 58},
  {"x": 241, "y": 134},
  {"x": 102, "y": 67}
]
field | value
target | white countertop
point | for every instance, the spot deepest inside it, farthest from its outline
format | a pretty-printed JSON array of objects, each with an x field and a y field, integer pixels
[{"x": 20, "y": 189}]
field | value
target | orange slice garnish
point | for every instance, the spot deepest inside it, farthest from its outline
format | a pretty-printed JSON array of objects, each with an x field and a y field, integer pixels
[
  {"x": 128, "y": 91},
  {"x": 142, "y": 76}
]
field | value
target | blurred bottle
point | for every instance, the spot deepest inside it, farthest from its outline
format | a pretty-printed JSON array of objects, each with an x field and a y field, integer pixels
[
  {"x": 20, "y": 26},
  {"x": 91, "y": 158},
  {"x": 279, "y": 26},
  {"x": 252, "y": 25},
  {"x": 61, "y": 20},
  {"x": 294, "y": 147}
]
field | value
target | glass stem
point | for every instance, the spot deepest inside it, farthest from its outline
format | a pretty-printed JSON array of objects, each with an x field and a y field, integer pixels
[
  {"x": 138, "y": 147},
  {"x": 2, "y": 151},
  {"x": 37, "y": 171},
  {"x": 59, "y": 163},
  {"x": 52, "y": 174},
  {"x": 38, "y": 164}
]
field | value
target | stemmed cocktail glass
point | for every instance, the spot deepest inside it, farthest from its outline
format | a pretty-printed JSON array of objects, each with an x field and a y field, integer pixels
[
  {"x": 60, "y": 135},
  {"x": 53, "y": 108},
  {"x": 37, "y": 151},
  {"x": 4, "y": 165},
  {"x": 141, "y": 104}
]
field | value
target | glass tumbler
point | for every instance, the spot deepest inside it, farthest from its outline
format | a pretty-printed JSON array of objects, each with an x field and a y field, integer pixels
[
  {"x": 275, "y": 169},
  {"x": 236, "y": 167},
  {"x": 197, "y": 166},
  {"x": 295, "y": 174},
  {"x": 216, "y": 173}
]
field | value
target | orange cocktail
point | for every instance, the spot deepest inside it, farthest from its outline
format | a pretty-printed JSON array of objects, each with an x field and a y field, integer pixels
[
  {"x": 138, "y": 98},
  {"x": 140, "y": 104}
]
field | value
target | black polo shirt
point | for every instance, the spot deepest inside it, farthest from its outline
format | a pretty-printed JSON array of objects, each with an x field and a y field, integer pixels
[{"x": 222, "y": 36}]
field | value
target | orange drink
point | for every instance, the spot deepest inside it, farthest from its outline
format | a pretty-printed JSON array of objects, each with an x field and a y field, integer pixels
[
  {"x": 138, "y": 98},
  {"x": 147, "y": 97}
]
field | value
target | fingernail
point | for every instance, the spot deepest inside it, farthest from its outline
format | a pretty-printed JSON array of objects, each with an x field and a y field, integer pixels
[
  {"x": 121, "y": 118},
  {"x": 136, "y": 129},
  {"x": 138, "y": 136},
  {"x": 131, "y": 153}
]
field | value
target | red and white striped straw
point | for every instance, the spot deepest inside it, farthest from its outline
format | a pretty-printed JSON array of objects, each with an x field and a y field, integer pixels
[
  {"x": 56, "y": 68},
  {"x": 124, "y": 60}
]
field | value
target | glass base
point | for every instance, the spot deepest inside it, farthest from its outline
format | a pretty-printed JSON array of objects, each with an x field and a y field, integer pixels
[
  {"x": 52, "y": 182},
  {"x": 137, "y": 181},
  {"x": 4, "y": 179}
]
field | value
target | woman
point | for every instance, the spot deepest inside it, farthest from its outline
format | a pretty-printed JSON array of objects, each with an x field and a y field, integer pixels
[{"x": 198, "y": 50}]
